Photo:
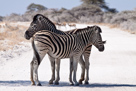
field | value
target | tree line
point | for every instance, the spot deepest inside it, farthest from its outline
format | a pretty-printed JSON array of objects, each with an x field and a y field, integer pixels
[{"x": 90, "y": 11}]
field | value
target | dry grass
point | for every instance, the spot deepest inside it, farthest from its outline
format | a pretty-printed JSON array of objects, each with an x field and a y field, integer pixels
[
  {"x": 12, "y": 35},
  {"x": 113, "y": 25}
]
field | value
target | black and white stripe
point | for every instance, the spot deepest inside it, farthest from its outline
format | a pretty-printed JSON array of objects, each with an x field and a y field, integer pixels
[
  {"x": 41, "y": 22},
  {"x": 65, "y": 46}
]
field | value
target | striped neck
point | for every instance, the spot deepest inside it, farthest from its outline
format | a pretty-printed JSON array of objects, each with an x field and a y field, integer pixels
[{"x": 48, "y": 25}]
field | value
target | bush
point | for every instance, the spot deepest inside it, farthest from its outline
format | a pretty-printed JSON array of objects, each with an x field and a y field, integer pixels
[{"x": 125, "y": 19}]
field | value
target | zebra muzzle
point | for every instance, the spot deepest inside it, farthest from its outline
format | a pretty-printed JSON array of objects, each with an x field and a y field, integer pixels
[
  {"x": 27, "y": 36},
  {"x": 101, "y": 49}
]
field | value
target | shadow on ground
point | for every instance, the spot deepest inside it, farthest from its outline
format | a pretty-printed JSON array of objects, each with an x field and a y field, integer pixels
[{"x": 63, "y": 84}]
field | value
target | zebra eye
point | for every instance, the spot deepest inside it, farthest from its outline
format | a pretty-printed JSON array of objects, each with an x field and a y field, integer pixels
[{"x": 34, "y": 26}]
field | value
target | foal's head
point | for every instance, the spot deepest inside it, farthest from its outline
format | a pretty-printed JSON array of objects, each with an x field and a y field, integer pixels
[{"x": 96, "y": 38}]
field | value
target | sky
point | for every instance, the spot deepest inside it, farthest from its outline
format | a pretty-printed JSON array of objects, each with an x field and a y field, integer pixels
[{"x": 20, "y": 6}]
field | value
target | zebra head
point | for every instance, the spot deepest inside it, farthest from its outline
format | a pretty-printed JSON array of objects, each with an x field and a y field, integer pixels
[
  {"x": 39, "y": 23},
  {"x": 97, "y": 39}
]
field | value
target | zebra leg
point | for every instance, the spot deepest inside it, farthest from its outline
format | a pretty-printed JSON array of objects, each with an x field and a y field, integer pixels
[
  {"x": 86, "y": 57},
  {"x": 52, "y": 61},
  {"x": 35, "y": 66},
  {"x": 75, "y": 63},
  {"x": 71, "y": 70},
  {"x": 82, "y": 63},
  {"x": 87, "y": 70},
  {"x": 40, "y": 55},
  {"x": 31, "y": 71},
  {"x": 57, "y": 67}
]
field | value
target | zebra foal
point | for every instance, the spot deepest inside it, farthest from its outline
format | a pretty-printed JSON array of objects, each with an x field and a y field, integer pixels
[{"x": 64, "y": 46}]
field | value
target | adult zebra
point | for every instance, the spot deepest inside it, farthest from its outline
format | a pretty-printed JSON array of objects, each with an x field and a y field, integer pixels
[{"x": 64, "y": 46}]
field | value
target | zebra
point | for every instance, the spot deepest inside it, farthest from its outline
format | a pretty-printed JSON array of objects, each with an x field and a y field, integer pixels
[{"x": 64, "y": 46}]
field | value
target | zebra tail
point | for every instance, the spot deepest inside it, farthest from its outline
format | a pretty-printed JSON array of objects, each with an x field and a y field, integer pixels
[{"x": 36, "y": 54}]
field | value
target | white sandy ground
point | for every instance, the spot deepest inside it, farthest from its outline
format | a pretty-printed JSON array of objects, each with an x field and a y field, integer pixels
[{"x": 111, "y": 70}]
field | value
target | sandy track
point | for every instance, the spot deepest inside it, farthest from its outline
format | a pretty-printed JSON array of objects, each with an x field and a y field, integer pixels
[{"x": 112, "y": 70}]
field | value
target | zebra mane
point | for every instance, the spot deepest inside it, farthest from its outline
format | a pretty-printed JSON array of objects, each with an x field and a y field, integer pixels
[
  {"x": 75, "y": 31},
  {"x": 89, "y": 28}
]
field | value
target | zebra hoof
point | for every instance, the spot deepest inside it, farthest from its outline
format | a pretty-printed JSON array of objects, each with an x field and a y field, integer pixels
[
  {"x": 71, "y": 84},
  {"x": 32, "y": 84},
  {"x": 77, "y": 84},
  {"x": 86, "y": 82},
  {"x": 39, "y": 84},
  {"x": 56, "y": 83},
  {"x": 50, "y": 82},
  {"x": 80, "y": 82}
]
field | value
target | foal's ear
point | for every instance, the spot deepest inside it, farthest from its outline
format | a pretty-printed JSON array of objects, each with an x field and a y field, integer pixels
[
  {"x": 97, "y": 29},
  {"x": 88, "y": 27}
]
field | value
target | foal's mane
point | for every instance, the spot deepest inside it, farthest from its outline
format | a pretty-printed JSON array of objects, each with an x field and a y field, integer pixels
[
  {"x": 87, "y": 29},
  {"x": 75, "y": 31}
]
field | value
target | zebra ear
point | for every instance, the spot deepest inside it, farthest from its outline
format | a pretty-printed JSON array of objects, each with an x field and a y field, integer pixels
[
  {"x": 97, "y": 29},
  {"x": 39, "y": 18},
  {"x": 88, "y": 26}
]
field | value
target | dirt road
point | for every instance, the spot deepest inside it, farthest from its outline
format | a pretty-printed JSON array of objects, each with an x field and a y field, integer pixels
[{"x": 112, "y": 70}]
